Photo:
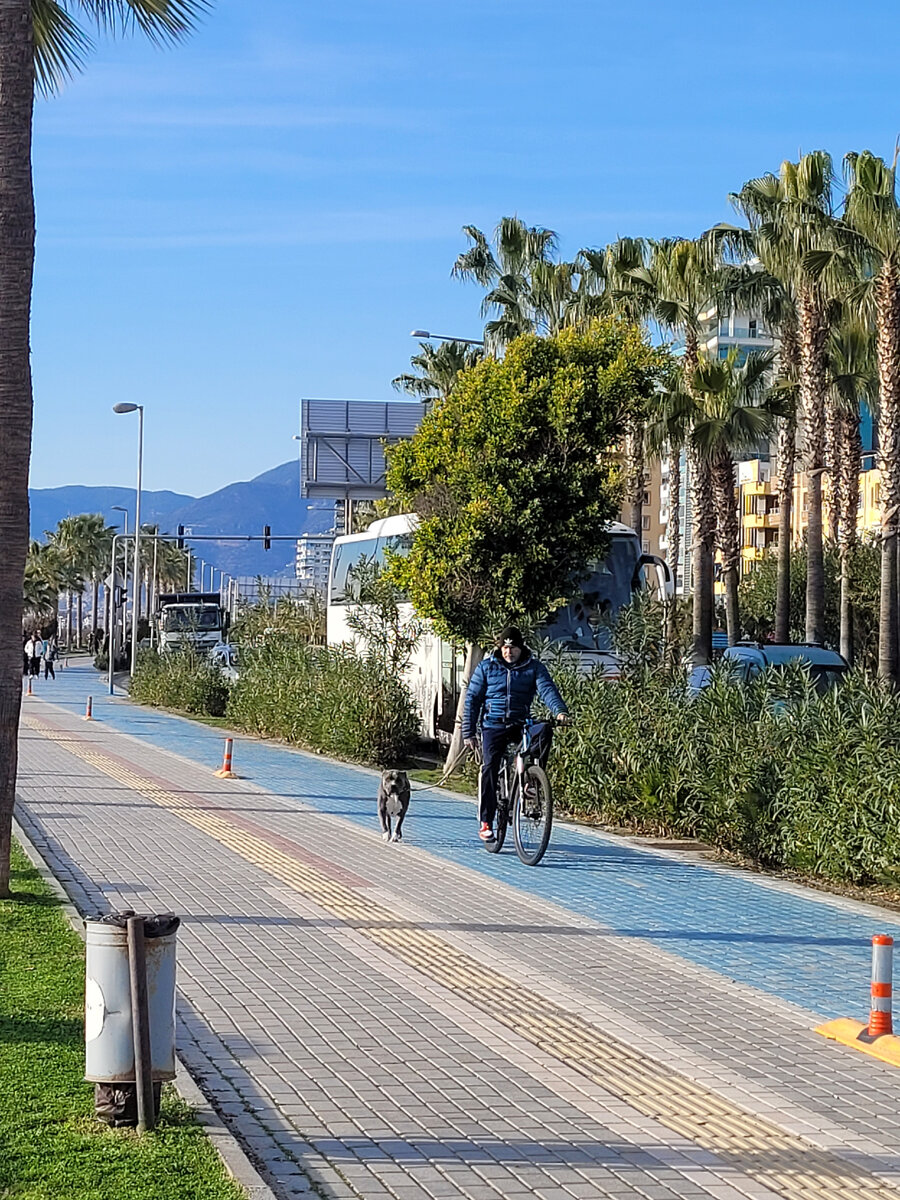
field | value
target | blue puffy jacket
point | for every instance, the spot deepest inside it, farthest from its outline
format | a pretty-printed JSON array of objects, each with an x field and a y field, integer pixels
[{"x": 502, "y": 693}]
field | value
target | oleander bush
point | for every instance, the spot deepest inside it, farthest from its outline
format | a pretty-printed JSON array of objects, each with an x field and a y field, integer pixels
[
  {"x": 179, "y": 679},
  {"x": 769, "y": 770},
  {"x": 329, "y": 699}
]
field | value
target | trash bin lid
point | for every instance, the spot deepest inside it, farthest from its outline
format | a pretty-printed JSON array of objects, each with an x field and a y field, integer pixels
[{"x": 157, "y": 925}]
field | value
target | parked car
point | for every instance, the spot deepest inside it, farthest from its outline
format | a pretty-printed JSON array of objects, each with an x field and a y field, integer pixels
[
  {"x": 225, "y": 656},
  {"x": 748, "y": 659}
]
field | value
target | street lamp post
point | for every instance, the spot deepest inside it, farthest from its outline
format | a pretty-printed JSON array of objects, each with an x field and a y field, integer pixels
[
  {"x": 425, "y": 336},
  {"x": 136, "y": 564}
]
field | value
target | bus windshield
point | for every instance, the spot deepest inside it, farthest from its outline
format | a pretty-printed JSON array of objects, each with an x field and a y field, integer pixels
[
  {"x": 584, "y": 624},
  {"x": 175, "y": 620}
]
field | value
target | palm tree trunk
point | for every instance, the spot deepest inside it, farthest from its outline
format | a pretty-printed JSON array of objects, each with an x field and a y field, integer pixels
[
  {"x": 16, "y": 270},
  {"x": 813, "y": 332},
  {"x": 70, "y": 623},
  {"x": 787, "y": 456},
  {"x": 848, "y": 494},
  {"x": 673, "y": 543},
  {"x": 703, "y": 537},
  {"x": 887, "y": 296},
  {"x": 789, "y": 363},
  {"x": 79, "y": 609},
  {"x": 728, "y": 535}
]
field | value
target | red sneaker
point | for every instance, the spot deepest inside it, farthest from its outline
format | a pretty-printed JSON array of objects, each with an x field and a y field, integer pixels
[{"x": 485, "y": 832}]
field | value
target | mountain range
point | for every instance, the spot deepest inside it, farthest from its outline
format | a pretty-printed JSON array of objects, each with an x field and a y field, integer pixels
[{"x": 272, "y": 498}]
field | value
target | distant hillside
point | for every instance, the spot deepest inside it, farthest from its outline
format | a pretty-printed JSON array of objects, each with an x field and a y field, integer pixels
[{"x": 272, "y": 498}]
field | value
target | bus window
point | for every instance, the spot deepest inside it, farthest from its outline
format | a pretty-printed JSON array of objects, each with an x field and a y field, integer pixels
[
  {"x": 584, "y": 624},
  {"x": 346, "y": 556}
]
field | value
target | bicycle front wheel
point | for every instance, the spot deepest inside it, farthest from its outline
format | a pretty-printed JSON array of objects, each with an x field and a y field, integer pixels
[{"x": 533, "y": 816}]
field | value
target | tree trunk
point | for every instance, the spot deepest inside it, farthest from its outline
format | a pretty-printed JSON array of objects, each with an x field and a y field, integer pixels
[
  {"x": 474, "y": 655},
  {"x": 634, "y": 471},
  {"x": 887, "y": 295},
  {"x": 813, "y": 332},
  {"x": 728, "y": 536},
  {"x": 79, "y": 610},
  {"x": 847, "y": 497},
  {"x": 703, "y": 539},
  {"x": 70, "y": 623},
  {"x": 673, "y": 541},
  {"x": 787, "y": 455},
  {"x": 789, "y": 362},
  {"x": 16, "y": 270}
]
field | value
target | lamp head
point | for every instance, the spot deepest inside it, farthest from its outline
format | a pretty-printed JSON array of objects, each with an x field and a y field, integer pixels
[
  {"x": 420, "y": 333},
  {"x": 125, "y": 408}
]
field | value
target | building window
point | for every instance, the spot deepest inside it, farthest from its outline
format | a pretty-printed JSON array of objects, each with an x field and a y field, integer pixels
[
  {"x": 645, "y": 522},
  {"x": 751, "y": 330},
  {"x": 646, "y": 547},
  {"x": 645, "y": 499},
  {"x": 724, "y": 326}
]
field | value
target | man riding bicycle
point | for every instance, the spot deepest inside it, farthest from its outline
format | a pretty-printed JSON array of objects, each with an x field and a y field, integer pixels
[{"x": 499, "y": 697}]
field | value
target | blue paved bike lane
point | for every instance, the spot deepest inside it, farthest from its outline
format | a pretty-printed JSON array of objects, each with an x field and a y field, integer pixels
[{"x": 812, "y": 952}]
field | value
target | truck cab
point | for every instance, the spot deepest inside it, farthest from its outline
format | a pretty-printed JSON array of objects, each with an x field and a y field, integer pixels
[{"x": 190, "y": 620}]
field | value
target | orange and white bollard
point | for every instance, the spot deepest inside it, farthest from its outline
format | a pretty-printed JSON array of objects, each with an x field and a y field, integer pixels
[
  {"x": 30, "y": 689},
  {"x": 880, "y": 1021},
  {"x": 89, "y": 709},
  {"x": 225, "y": 771}
]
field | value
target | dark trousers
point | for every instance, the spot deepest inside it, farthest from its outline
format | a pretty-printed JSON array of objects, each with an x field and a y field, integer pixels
[
  {"x": 36, "y": 667},
  {"x": 494, "y": 740},
  {"x": 49, "y": 673}
]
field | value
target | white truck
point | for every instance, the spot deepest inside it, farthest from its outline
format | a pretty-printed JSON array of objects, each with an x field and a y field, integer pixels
[{"x": 194, "y": 620}]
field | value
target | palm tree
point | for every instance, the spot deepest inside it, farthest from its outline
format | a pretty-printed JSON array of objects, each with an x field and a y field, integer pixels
[
  {"x": 853, "y": 382},
  {"x": 730, "y": 417},
  {"x": 527, "y": 289},
  {"x": 792, "y": 219},
  {"x": 672, "y": 281},
  {"x": 437, "y": 369},
  {"x": 872, "y": 213},
  {"x": 39, "y": 41}
]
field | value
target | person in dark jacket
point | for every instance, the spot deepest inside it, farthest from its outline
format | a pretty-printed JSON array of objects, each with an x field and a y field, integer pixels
[{"x": 499, "y": 698}]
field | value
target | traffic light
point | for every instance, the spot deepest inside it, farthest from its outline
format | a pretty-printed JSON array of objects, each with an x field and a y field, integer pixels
[
  {"x": 179, "y": 541},
  {"x": 267, "y": 537}
]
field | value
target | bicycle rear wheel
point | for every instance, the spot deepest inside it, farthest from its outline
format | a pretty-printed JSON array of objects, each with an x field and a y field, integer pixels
[{"x": 533, "y": 816}]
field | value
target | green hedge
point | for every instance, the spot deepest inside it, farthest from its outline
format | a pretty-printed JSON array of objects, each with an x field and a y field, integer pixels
[
  {"x": 328, "y": 699},
  {"x": 769, "y": 769},
  {"x": 179, "y": 680}
]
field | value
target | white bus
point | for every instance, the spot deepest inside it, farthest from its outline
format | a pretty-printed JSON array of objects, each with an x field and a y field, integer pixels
[{"x": 435, "y": 671}]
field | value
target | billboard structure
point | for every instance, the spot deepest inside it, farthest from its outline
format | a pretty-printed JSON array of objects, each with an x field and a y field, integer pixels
[{"x": 342, "y": 446}]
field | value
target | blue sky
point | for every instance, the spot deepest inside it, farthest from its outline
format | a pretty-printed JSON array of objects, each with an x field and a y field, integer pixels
[{"x": 265, "y": 211}]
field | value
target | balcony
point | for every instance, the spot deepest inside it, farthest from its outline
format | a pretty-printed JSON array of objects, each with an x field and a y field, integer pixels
[
  {"x": 760, "y": 520},
  {"x": 752, "y": 553},
  {"x": 758, "y": 487}
]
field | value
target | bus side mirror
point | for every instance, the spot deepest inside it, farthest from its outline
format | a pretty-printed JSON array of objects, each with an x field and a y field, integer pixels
[{"x": 653, "y": 577}]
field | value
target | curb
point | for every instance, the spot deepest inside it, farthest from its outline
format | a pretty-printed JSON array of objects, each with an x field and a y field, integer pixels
[
  {"x": 855, "y": 1034},
  {"x": 236, "y": 1163}
]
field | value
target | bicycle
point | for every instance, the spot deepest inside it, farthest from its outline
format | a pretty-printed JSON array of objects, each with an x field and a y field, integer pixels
[{"x": 524, "y": 801}]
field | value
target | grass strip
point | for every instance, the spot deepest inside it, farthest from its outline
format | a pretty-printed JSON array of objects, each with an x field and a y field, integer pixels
[{"x": 51, "y": 1146}]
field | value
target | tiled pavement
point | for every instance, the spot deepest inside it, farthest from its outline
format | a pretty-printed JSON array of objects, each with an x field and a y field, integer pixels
[{"x": 428, "y": 1020}]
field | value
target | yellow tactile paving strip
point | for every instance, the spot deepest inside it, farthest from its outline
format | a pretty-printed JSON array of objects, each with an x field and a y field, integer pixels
[{"x": 781, "y": 1161}]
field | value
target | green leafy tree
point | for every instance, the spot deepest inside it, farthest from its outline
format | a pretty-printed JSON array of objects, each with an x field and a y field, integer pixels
[
  {"x": 41, "y": 42},
  {"x": 514, "y": 479}
]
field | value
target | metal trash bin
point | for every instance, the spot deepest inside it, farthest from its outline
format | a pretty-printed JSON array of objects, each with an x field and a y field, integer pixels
[{"x": 108, "y": 1029}]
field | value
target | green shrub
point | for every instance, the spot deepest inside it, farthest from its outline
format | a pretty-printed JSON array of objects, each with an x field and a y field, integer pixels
[
  {"x": 180, "y": 680},
  {"x": 769, "y": 770},
  {"x": 328, "y": 699}
]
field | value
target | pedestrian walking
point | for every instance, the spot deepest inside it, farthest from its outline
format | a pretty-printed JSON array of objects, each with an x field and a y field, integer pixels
[
  {"x": 51, "y": 654},
  {"x": 26, "y": 655},
  {"x": 37, "y": 653}
]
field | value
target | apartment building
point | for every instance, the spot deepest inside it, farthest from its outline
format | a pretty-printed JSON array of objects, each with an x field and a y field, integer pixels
[{"x": 312, "y": 561}]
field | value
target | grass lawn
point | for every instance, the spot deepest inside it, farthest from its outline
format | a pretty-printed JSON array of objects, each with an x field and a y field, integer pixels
[
  {"x": 458, "y": 783},
  {"x": 51, "y": 1147}
]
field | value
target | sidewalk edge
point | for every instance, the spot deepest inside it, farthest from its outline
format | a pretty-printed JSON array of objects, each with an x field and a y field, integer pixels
[{"x": 235, "y": 1160}]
